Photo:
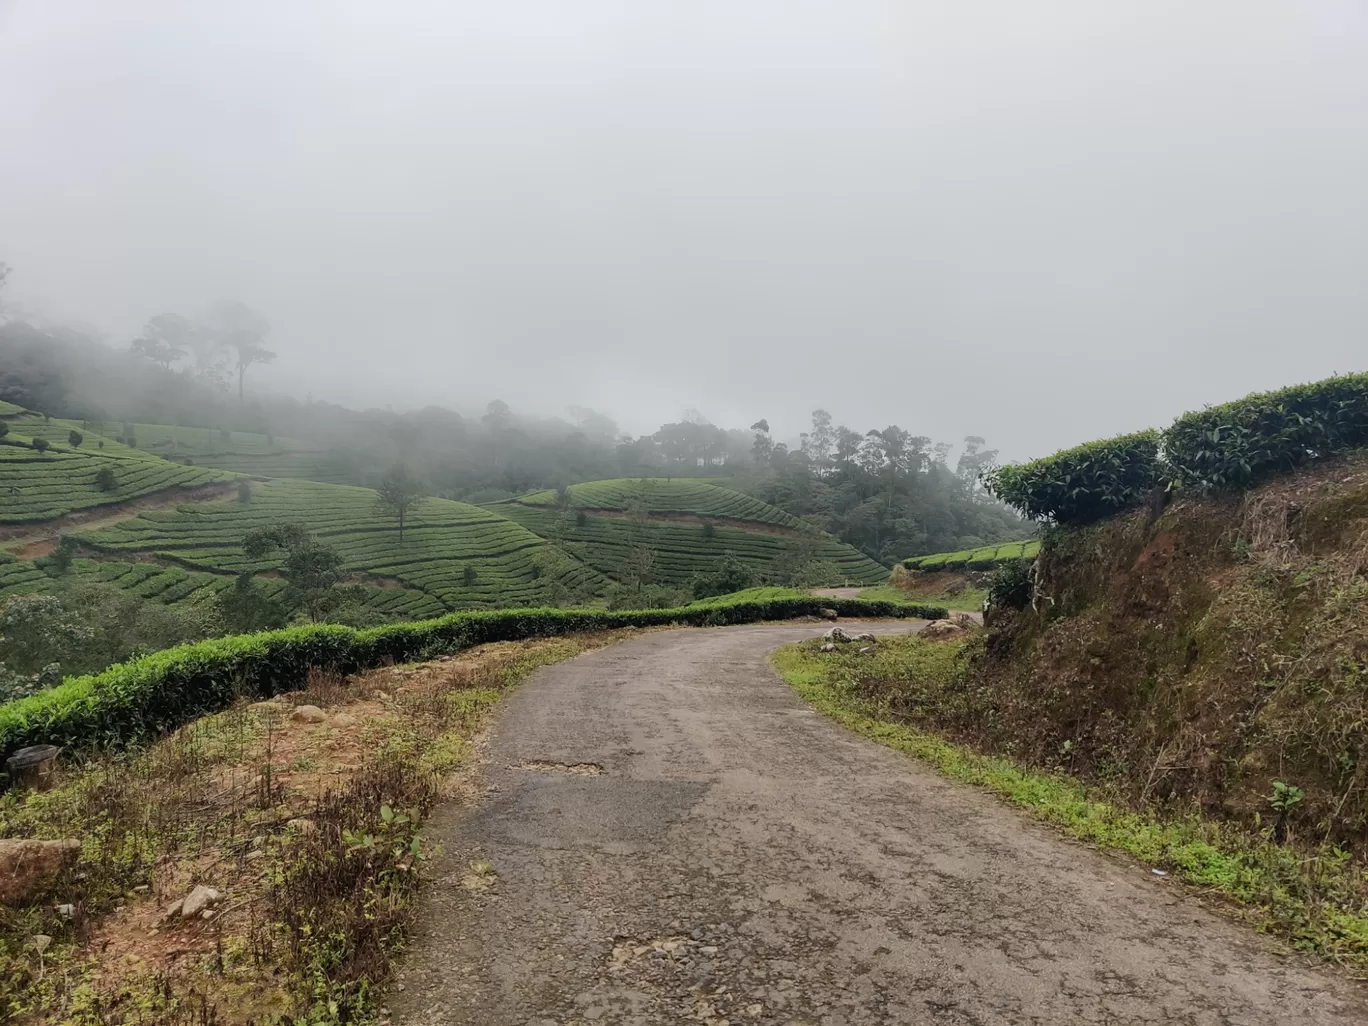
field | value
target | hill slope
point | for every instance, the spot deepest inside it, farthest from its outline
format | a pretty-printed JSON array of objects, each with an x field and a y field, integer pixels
[
  {"x": 427, "y": 571},
  {"x": 687, "y": 526},
  {"x": 38, "y": 486}
]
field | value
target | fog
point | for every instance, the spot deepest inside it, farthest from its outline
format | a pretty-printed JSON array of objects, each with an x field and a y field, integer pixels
[{"x": 1038, "y": 222}]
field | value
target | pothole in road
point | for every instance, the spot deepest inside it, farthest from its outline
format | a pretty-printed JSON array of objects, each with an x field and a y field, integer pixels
[{"x": 574, "y": 769}]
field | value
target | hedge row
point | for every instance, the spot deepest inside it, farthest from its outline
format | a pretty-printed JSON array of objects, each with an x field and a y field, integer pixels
[
  {"x": 1240, "y": 443},
  {"x": 1082, "y": 484},
  {"x": 985, "y": 558},
  {"x": 138, "y": 700},
  {"x": 1226, "y": 447}
]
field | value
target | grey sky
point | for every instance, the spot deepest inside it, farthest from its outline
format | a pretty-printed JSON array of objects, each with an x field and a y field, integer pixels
[{"x": 1039, "y": 221}]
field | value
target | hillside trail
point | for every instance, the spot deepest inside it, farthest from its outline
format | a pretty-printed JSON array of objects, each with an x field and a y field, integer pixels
[
  {"x": 668, "y": 834},
  {"x": 30, "y": 541}
]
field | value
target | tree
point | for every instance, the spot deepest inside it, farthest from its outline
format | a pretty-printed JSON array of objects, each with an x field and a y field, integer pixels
[
  {"x": 75, "y": 438},
  {"x": 247, "y": 608},
  {"x": 244, "y": 330},
  {"x": 312, "y": 569},
  {"x": 105, "y": 480},
  {"x": 4, "y": 428},
  {"x": 41, "y": 444},
  {"x": 762, "y": 448},
  {"x": 399, "y": 495},
  {"x": 37, "y": 635},
  {"x": 167, "y": 337}
]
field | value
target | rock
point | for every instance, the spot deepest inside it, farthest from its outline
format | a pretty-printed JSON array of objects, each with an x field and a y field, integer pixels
[
  {"x": 269, "y": 708},
  {"x": 303, "y": 826},
  {"x": 828, "y": 614},
  {"x": 942, "y": 630},
  {"x": 66, "y": 911},
  {"x": 344, "y": 720},
  {"x": 173, "y": 909},
  {"x": 836, "y": 634},
  {"x": 828, "y": 647},
  {"x": 966, "y": 621},
  {"x": 865, "y": 649},
  {"x": 308, "y": 714},
  {"x": 866, "y": 636},
  {"x": 26, "y": 866},
  {"x": 198, "y": 900}
]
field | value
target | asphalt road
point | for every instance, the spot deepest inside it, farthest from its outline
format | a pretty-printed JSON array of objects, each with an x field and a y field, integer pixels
[{"x": 675, "y": 837}]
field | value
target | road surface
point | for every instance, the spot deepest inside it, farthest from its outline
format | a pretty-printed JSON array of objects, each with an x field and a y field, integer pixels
[{"x": 673, "y": 836}]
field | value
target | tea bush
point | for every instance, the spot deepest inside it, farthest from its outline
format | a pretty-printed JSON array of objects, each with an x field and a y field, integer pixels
[
  {"x": 1082, "y": 484},
  {"x": 1238, "y": 444}
]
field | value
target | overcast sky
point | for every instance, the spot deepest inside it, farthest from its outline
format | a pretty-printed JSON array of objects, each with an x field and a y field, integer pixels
[{"x": 1042, "y": 221}]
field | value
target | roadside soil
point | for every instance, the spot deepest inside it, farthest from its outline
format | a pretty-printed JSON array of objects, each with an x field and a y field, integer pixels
[{"x": 666, "y": 833}]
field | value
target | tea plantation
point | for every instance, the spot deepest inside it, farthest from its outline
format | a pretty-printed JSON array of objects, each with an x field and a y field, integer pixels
[
  {"x": 975, "y": 559},
  {"x": 688, "y": 527},
  {"x": 664, "y": 496},
  {"x": 38, "y": 485},
  {"x": 507, "y": 564}
]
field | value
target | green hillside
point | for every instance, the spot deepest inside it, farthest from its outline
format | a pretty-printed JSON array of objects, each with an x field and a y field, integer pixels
[
  {"x": 242, "y": 452},
  {"x": 687, "y": 526},
  {"x": 40, "y": 485},
  {"x": 427, "y": 572}
]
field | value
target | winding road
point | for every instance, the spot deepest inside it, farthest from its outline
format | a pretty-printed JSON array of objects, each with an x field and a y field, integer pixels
[{"x": 666, "y": 833}]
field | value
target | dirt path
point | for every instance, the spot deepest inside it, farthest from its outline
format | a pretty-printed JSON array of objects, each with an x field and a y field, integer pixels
[{"x": 676, "y": 838}]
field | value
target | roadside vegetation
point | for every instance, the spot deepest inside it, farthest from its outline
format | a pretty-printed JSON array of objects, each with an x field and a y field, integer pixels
[
  {"x": 259, "y": 864},
  {"x": 921, "y": 697}
]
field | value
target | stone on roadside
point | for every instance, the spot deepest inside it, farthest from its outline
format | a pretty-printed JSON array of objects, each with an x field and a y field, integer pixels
[
  {"x": 344, "y": 720},
  {"x": 308, "y": 714},
  {"x": 828, "y": 647},
  {"x": 198, "y": 901},
  {"x": 866, "y": 636},
  {"x": 942, "y": 630},
  {"x": 828, "y": 614},
  {"x": 836, "y": 634},
  {"x": 27, "y": 865}
]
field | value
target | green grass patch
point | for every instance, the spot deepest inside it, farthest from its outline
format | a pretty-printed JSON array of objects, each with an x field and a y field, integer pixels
[{"x": 1317, "y": 897}]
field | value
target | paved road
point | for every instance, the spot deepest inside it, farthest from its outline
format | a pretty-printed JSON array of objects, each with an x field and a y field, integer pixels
[{"x": 742, "y": 859}]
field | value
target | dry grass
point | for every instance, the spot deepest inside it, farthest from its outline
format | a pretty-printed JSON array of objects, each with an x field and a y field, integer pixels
[{"x": 310, "y": 831}]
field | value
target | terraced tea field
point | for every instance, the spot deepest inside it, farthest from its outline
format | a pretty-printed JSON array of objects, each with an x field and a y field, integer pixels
[
  {"x": 689, "y": 526},
  {"x": 37, "y": 486},
  {"x": 975, "y": 559},
  {"x": 511, "y": 565},
  {"x": 663, "y": 497}
]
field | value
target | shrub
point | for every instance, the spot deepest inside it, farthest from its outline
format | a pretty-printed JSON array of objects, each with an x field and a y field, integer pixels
[
  {"x": 41, "y": 444},
  {"x": 1009, "y": 585},
  {"x": 1238, "y": 444},
  {"x": 244, "y": 491},
  {"x": 75, "y": 438},
  {"x": 1083, "y": 484},
  {"x": 136, "y": 700}
]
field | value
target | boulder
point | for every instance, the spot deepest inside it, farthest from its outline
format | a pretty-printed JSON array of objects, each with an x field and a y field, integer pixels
[
  {"x": 942, "y": 630},
  {"x": 344, "y": 720},
  {"x": 866, "y": 636},
  {"x": 828, "y": 614},
  {"x": 198, "y": 900},
  {"x": 308, "y": 714},
  {"x": 836, "y": 634},
  {"x": 26, "y": 866},
  {"x": 828, "y": 647}
]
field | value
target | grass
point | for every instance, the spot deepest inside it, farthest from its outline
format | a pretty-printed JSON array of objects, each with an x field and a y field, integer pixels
[
  {"x": 1316, "y": 897},
  {"x": 967, "y": 599},
  {"x": 312, "y": 832}
]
